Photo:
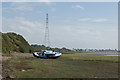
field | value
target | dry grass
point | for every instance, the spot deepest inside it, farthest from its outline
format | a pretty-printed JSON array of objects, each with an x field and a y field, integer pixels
[{"x": 67, "y": 66}]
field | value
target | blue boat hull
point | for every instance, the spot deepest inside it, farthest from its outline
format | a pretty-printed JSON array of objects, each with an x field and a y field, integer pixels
[{"x": 44, "y": 56}]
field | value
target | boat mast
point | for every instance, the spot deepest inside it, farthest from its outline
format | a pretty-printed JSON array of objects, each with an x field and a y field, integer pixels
[{"x": 47, "y": 42}]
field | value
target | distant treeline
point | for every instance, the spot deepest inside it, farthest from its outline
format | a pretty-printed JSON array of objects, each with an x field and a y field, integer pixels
[
  {"x": 94, "y": 50},
  {"x": 42, "y": 47}
]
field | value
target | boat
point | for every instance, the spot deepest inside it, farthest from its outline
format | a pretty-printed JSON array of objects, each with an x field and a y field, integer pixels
[{"x": 47, "y": 54}]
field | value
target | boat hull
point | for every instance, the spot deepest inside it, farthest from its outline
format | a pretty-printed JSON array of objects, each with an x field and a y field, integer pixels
[{"x": 44, "y": 57}]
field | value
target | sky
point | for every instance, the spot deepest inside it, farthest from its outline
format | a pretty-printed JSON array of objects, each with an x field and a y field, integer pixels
[{"x": 71, "y": 24}]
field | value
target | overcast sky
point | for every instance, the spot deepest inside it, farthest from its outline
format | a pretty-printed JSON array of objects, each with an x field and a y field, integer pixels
[{"x": 71, "y": 24}]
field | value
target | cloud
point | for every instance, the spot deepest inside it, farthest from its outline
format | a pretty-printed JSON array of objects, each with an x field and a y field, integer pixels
[
  {"x": 84, "y": 37},
  {"x": 53, "y": 9},
  {"x": 21, "y": 6},
  {"x": 94, "y": 19},
  {"x": 78, "y": 6},
  {"x": 31, "y": 30},
  {"x": 40, "y": 12},
  {"x": 85, "y": 19},
  {"x": 21, "y": 24},
  {"x": 25, "y": 0},
  {"x": 48, "y": 1},
  {"x": 17, "y": 7},
  {"x": 100, "y": 20},
  {"x": 77, "y": 36}
]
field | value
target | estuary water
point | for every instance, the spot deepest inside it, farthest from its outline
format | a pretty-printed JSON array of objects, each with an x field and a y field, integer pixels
[{"x": 102, "y": 53}]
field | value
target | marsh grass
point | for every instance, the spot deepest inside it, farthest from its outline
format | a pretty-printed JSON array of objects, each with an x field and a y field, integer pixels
[{"x": 67, "y": 66}]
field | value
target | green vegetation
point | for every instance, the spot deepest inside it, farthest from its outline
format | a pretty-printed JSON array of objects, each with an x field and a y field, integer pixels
[
  {"x": 12, "y": 42},
  {"x": 67, "y": 66},
  {"x": 17, "y": 65},
  {"x": 42, "y": 47}
]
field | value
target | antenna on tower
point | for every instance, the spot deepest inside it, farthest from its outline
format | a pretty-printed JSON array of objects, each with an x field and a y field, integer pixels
[{"x": 47, "y": 42}]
